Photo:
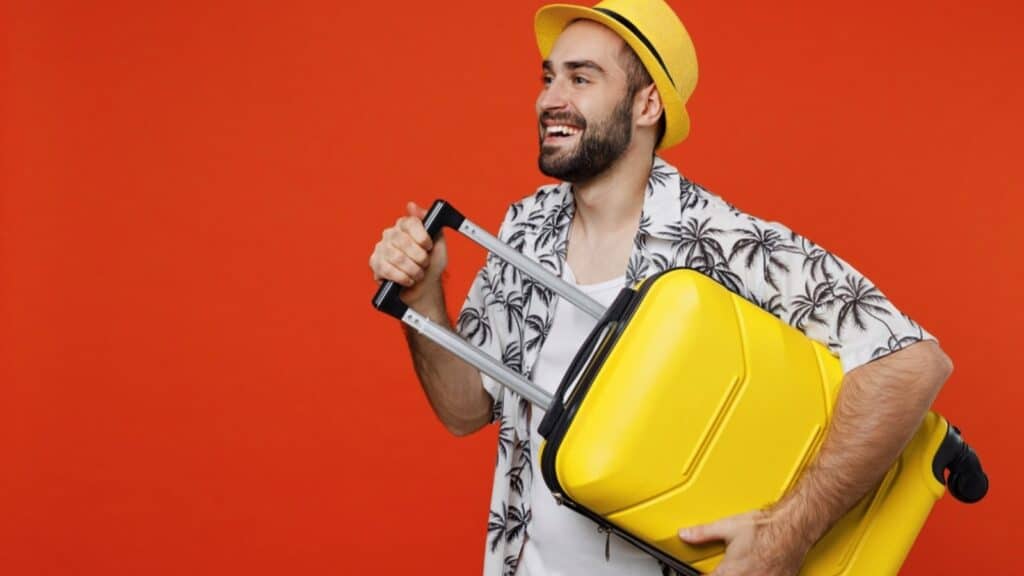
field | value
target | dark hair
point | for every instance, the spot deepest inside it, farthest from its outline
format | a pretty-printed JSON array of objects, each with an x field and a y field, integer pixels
[{"x": 638, "y": 77}]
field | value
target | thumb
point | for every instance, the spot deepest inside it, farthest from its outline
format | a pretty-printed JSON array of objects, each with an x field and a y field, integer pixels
[
  {"x": 721, "y": 530},
  {"x": 415, "y": 210}
]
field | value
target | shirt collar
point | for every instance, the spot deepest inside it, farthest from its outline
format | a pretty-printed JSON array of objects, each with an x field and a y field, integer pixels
[{"x": 662, "y": 205}]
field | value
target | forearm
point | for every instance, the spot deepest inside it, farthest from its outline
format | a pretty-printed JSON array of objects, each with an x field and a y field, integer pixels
[
  {"x": 453, "y": 387},
  {"x": 880, "y": 406}
]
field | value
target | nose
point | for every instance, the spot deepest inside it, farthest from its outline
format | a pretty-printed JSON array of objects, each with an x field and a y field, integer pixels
[{"x": 553, "y": 96}]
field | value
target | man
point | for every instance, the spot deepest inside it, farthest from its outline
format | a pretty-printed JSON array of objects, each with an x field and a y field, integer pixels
[{"x": 615, "y": 82}]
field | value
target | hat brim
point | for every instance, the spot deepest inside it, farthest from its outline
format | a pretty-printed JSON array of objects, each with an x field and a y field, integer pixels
[{"x": 552, "y": 19}]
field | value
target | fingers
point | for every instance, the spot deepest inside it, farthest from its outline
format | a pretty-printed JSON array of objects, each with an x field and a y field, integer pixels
[
  {"x": 403, "y": 253},
  {"x": 389, "y": 271},
  {"x": 401, "y": 243},
  {"x": 413, "y": 228},
  {"x": 721, "y": 530},
  {"x": 388, "y": 258},
  {"x": 415, "y": 211},
  {"x": 413, "y": 268}
]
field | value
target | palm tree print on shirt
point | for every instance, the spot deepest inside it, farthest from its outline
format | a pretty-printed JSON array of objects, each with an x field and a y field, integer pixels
[
  {"x": 540, "y": 327},
  {"x": 523, "y": 467},
  {"x": 660, "y": 176},
  {"x": 496, "y": 526},
  {"x": 773, "y": 305},
  {"x": 551, "y": 226},
  {"x": 817, "y": 261},
  {"x": 691, "y": 195},
  {"x": 636, "y": 269},
  {"x": 696, "y": 242},
  {"x": 898, "y": 342},
  {"x": 473, "y": 326},
  {"x": 762, "y": 245},
  {"x": 811, "y": 305},
  {"x": 860, "y": 301}
]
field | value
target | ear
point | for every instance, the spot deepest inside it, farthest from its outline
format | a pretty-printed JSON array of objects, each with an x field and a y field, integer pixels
[{"x": 647, "y": 106}]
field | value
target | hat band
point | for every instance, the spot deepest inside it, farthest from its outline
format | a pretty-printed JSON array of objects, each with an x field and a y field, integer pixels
[{"x": 636, "y": 32}]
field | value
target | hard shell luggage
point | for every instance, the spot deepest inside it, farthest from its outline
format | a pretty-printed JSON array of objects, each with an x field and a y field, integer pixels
[{"x": 687, "y": 404}]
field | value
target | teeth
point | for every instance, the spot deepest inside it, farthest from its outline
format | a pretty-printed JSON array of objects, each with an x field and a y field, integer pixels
[{"x": 562, "y": 130}]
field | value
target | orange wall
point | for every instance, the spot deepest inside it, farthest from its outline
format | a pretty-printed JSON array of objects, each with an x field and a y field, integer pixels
[{"x": 192, "y": 380}]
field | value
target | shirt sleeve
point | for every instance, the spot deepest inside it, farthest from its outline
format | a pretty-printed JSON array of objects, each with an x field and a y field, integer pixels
[
  {"x": 817, "y": 292},
  {"x": 476, "y": 324},
  {"x": 483, "y": 318}
]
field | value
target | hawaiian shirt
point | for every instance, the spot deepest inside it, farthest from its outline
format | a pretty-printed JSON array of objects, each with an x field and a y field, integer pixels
[{"x": 509, "y": 315}]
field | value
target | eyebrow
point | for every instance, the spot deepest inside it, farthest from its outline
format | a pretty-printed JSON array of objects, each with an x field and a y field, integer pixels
[{"x": 574, "y": 65}]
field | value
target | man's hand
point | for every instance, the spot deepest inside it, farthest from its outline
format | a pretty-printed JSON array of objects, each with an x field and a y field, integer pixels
[
  {"x": 407, "y": 255},
  {"x": 880, "y": 406},
  {"x": 756, "y": 544}
]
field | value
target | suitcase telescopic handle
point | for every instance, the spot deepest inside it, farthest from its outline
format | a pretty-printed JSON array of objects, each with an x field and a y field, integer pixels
[{"x": 443, "y": 215}]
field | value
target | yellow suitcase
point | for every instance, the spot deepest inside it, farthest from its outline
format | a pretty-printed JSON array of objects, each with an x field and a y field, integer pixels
[{"x": 687, "y": 403}]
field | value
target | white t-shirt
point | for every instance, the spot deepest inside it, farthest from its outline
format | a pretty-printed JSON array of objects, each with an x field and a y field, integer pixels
[{"x": 562, "y": 542}]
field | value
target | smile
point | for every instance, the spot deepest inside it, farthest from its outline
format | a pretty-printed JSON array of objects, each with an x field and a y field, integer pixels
[
  {"x": 561, "y": 130},
  {"x": 559, "y": 133}
]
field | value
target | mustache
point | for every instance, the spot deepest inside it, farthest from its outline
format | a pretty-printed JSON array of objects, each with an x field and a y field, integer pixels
[{"x": 564, "y": 118}]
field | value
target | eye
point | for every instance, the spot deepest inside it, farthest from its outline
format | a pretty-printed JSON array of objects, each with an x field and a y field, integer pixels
[
  {"x": 546, "y": 79},
  {"x": 580, "y": 80}
]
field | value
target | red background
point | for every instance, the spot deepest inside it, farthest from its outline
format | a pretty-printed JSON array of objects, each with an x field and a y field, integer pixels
[{"x": 192, "y": 380}]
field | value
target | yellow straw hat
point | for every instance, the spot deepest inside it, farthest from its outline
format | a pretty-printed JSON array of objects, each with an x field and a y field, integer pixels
[{"x": 654, "y": 32}]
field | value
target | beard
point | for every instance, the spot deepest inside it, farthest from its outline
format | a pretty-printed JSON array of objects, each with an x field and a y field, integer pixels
[{"x": 598, "y": 148}]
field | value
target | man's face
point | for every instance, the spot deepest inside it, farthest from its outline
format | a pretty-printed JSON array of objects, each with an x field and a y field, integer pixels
[{"x": 584, "y": 112}]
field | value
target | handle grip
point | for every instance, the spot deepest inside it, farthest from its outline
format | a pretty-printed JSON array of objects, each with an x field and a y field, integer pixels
[
  {"x": 583, "y": 358},
  {"x": 441, "y": 215}
]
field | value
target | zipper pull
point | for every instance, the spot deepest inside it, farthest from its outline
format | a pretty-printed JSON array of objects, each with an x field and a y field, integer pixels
[{"x": 607, "y": 541}]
